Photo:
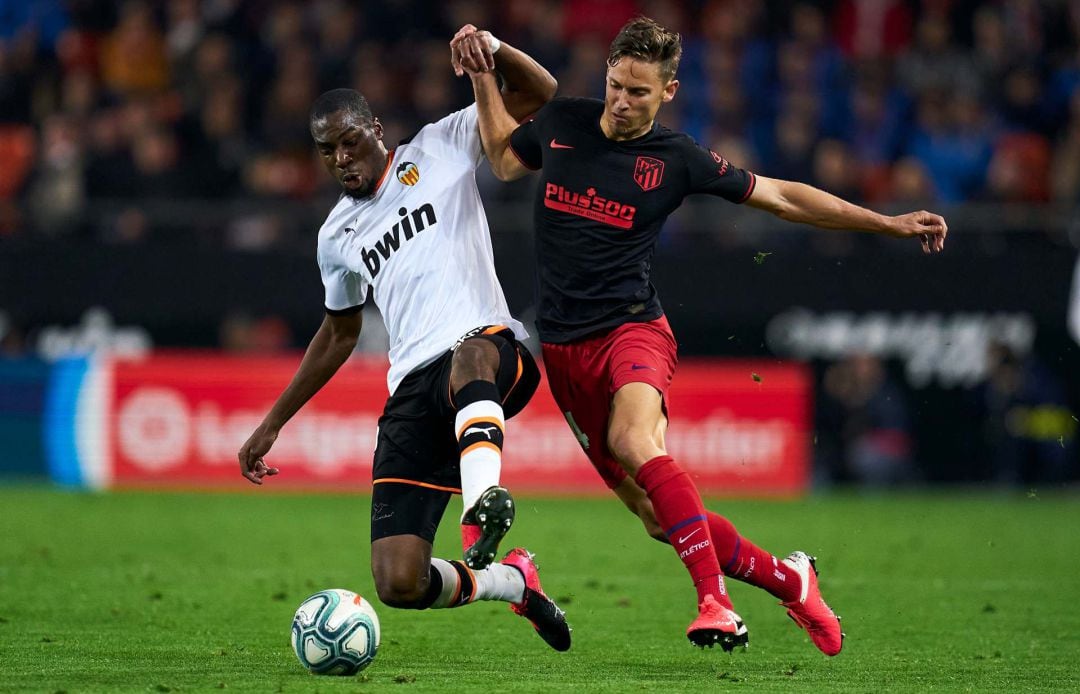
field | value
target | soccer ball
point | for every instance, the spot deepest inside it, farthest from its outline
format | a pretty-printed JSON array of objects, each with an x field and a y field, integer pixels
[{"x": 335, "y": 632}]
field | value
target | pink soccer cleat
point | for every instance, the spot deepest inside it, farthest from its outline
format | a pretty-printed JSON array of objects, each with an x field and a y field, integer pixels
[
  {"x": 716, "y": 624},
  {"x": 545, "y": 616},
  {"x": 810, "y": 611}
]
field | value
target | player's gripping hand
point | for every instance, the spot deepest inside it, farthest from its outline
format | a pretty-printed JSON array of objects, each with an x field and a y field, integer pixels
[
  {"x": 930, "y": 229},
  {"x": 472, "y": 51},
  {"x": 251, "y": 455}
]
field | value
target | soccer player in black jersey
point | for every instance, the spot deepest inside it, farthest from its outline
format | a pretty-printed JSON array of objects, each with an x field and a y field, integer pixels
[{"x": 611, "y": 176}]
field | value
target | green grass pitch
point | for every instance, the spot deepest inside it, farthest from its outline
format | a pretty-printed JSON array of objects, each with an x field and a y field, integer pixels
[{"x": 195, "y": 592}]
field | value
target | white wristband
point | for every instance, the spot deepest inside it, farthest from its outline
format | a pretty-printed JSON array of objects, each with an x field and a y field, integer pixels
[{"x": 494, "y": 44}]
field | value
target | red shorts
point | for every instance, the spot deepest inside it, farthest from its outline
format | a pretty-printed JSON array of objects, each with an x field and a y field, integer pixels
[{"x": 584, "y": 375}]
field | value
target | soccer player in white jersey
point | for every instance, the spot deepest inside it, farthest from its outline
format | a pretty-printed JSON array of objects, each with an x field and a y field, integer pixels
[{"x": 410, "y": 227}]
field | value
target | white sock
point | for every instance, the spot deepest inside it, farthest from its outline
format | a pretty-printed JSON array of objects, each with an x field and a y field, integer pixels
[
  {"x": 451, "y": 584},
  {"x": 496, "y": 582},
  {"x": 500, "y": 582},
  {"x": 479, "y": 428}
]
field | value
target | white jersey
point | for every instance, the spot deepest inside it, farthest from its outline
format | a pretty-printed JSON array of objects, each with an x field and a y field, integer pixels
[{"x": 422, "y": 243}]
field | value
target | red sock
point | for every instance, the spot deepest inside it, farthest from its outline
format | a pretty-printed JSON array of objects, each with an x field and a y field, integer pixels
[
  {"x": 470, "y": 533},
  {"x": 744, "y": 561},
  {"x": 681, "y": 514}
]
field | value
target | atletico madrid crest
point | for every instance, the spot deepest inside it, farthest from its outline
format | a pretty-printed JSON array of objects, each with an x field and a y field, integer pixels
[
  {"x": 407, "y": 173},
  {"x": 648, "y": 172}
]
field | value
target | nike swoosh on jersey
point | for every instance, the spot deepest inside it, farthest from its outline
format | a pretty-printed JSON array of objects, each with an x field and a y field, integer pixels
[
  {"x": 684, "y": 539},
  {"x": 555, "y": 145}
]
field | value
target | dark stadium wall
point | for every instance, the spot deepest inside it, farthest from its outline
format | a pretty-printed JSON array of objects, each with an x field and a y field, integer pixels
[
  {"x": 23, "y": 384},
  {"x": 181, "y": 293},
  {"x": 720, "y": 302}
]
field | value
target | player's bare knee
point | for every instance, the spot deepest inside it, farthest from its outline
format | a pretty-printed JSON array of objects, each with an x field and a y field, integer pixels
[
  {"x": 475, "y": 359},
  {"x": 401, "y": 590},
  {"x": 619, "y": 443},
  {"x": 401, "y": 579},
  {"x": 630, "y": 447}
]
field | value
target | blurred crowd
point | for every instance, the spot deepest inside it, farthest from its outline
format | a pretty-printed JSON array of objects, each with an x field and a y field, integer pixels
[
  {"x": 869, "y": 432},
  {"x": 876, "y": 100}
]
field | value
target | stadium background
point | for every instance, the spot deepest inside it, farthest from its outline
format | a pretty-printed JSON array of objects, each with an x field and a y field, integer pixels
[
  {"x": 158, "y": 205},
  {"x": 158, "y": 192}
]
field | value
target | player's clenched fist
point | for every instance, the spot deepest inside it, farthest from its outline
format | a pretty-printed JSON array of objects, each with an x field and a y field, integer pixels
[{"x": 471, "y": 50}]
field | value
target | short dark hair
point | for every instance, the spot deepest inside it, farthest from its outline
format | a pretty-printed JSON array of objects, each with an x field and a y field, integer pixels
[
  {"x": 644, "y": 39},
  {"x": 348, "y": 100}
]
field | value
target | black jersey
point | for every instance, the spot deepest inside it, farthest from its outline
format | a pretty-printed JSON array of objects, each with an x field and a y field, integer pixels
[{"x": 599, "y": 212}]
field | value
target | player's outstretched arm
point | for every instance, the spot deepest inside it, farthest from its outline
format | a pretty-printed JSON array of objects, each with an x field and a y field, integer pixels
[
  {"x": 328, "y": 350},
  {"x": 798, "y": 202},
  {"x": 496, "y": 126},
  {"x": 527, "y": 85}
]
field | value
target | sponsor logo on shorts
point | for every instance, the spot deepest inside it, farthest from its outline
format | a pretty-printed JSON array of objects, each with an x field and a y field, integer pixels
[
  {"x": 472, "y": 333},
  {"x": 580, "y": 435},
  {"x": 589, "y": 205}
]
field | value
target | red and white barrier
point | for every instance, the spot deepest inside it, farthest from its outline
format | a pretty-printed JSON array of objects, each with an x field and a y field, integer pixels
[{"x": 177, "y": 420}]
